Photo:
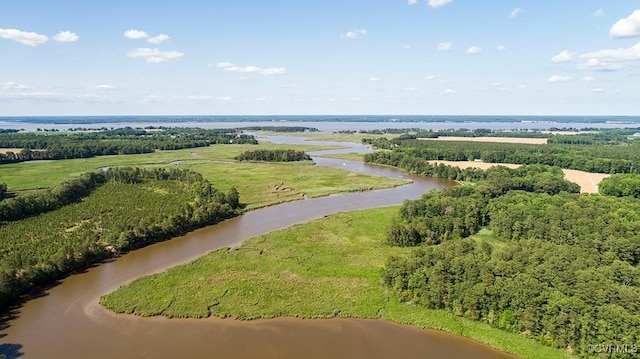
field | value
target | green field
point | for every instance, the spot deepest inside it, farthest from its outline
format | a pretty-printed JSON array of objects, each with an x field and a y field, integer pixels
[
  {"x": 322, "y": 269},
  {"x": 259, "y": 184}
]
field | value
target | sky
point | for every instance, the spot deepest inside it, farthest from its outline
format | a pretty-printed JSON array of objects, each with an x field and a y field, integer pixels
[{"x": 319, "y": 57}]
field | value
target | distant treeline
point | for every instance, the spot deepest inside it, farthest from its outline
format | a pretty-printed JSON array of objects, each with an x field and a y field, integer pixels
[
  {"x": 273, "y": 156},
  {"x": 280, "y": 128},
  {"x": 595, "y": 158},
  {"x": 561, "y": 268},
  {"x": 58, "y": 145},
  {"x": 48, "y": 234}
]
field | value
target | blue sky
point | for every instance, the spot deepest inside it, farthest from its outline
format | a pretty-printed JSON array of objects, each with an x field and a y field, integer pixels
[{"x": 440, "y": 57}]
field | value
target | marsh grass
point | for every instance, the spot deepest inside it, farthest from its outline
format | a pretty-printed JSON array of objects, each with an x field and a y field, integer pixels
[
  {"x": 259, "y": 184},
  {"x": 322, "y": 269}
]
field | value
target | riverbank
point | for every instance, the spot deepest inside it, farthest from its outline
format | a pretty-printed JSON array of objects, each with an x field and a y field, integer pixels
[{"x": 322, "y": 269}]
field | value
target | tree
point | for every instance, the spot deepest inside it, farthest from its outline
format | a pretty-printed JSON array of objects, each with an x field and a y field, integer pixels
[{"x": 3, "y": 191}]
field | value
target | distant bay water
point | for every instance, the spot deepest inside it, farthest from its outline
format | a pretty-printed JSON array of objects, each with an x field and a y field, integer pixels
[{"x": 324, "y": 122}]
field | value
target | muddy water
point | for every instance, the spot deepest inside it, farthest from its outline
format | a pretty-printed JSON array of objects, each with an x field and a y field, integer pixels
[{"x": 68, "y": 322}]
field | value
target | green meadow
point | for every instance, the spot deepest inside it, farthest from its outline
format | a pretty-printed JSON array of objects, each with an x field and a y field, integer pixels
[
  {"x": 322, "y": 269},
  {"x": 259, "y": 184}
]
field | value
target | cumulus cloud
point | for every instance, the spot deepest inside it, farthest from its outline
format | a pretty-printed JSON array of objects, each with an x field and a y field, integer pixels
[
  {"x": 227, "y": 66},
  {"x": 438, "y": 3},
  {"x": 154, "y": 55},
  {"x": 66, "y": 36},
  {"x": 501, "y": 48},
  {"x": 354, "y": 34},
  {"x": 609, "y": 59},
  {"x": 474, "y": 50},
  {"x": 103, "y": 87},
  {"x": 445, "y": 46},
  {"x": 135, "y": 34},
  {"x": 626, "y": 27},
  {"x": 559, "y": 78},
  {"x": 412, "y": 2},
  {"x": 448, "y": 92},
  {"x": 374, "y": 78},
  {"x": 515, "y": 12},
  {"x": 14, "y": 86},
  {"x": 588, "y": 78},
  {"x": 598, "y": 13},
  {"x": 563, "y": 56},
  {"x": 158, "y": 39},
  {"x": 23, "y": 37}
]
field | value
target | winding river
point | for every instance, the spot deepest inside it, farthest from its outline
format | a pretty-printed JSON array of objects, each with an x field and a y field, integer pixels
[{"x": 68, "y": 322}]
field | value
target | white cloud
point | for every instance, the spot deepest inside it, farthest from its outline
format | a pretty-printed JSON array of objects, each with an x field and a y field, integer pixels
[
  {"x": 558, "y": 78},
  {"x": 445, "y": 46},
  {"x": 158, "y": 39},
  {"x": 515, "y": 12},
  {"x": 439, "y": 3},
  {"x": 598, "y": 13},
  {"x": 588, "y": 78},
  {"x": 448, "y": 92},
  {"x": 14, "y": 86},
  {"x": 407, "y": 47},
  {"x": 103, "y": 87},
  {"x": 23, "y": 37},
  {"x": 609, "y": 59},
  {"x": 154, "y": 55},
  {"x": 227, "y": 66},
  {"x": 66, "y": 36},
  {"x": 374, "y": 78},
  {"x": 501, "y": 48},
  {"x": 523, "y": 86},
  {"x": 412, "y": 2},
  {"x": 563, "y": 56},
  {"x": 136, "y": 34},
  {"x": 474, "y": 50},
  {"x": 597, "y": 89},
  {"x": 432, "y": 77},
  {"x": 354, "y": 34},
  {"x": 627, "y": 27}
]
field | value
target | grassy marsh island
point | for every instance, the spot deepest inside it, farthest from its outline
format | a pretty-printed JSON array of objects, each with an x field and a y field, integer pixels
[{"x": 322, "y": 269}]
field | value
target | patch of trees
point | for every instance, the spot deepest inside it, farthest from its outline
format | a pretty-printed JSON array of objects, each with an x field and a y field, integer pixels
[
  {"x": 3, "y": 191},
  {"x": 621, "y": 185},
  {"x": 36, "y": 202},
  {"x": 559, "y": 268},
  {"x": 460, "y": 211},
  {"x": 55, "y": 146},
  {"x": 287, "y": 155},
  {"x": 280, "y": 128},
  {"x": 594, "y": 158},
  {"x": 132, "y": 208}
]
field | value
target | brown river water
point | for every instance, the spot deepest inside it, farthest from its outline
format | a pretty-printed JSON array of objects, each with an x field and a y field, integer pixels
[{"x": 66, "y": 321}]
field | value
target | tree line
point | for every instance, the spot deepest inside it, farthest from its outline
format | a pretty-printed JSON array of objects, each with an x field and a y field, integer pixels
[
  {"x": 595, "y": 158},
  {"x": 55, "y": 146},
  {"x": 126, "y": 209},
  {"x": 555, "y": 266},
  {"x": 281, "y": 155}
]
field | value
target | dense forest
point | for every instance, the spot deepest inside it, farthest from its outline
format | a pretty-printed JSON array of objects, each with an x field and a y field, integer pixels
[
  {"x": 64, "y": 145},
  {"x": 289, "y": 155},
  {"x": 555, "y": 266},
  {"x": 592, "y": 158},
  {"x": 122, "y": 209},
  {"x": 621, "y": 185}
]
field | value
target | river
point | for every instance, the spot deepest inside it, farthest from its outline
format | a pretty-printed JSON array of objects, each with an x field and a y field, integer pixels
[{"x": 67, "y": 321}]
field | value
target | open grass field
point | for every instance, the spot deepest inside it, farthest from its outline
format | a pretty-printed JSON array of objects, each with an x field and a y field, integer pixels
[
  {"x": 322, "y": 269},
  {"x": 259, "y": 184}
]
